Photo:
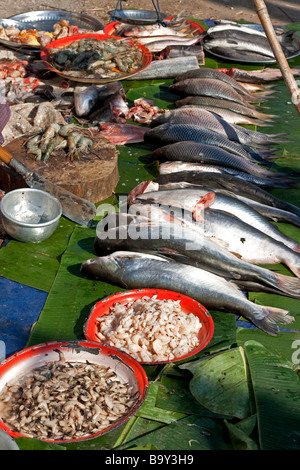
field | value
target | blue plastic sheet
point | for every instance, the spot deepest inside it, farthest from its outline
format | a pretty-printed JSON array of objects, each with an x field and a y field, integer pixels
[{"x": 20, "y": 307}]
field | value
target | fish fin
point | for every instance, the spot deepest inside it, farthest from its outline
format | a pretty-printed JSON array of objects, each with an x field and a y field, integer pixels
[
  {"x": 271, "y": 317},
  {"x": 203, "y": 203},
  {"x": 288, "y": 284},
  {"x": 236, "y": 254}
]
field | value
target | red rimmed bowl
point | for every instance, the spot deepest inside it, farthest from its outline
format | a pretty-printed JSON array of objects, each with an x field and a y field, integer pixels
[
  {"x": 64, "y": 43},
  {"x": 187, "y": 304},
  {"x": 127, "y": 369}
]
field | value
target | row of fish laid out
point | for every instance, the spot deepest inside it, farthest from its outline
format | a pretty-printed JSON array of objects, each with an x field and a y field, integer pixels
[{"x": 204, "y": 227}]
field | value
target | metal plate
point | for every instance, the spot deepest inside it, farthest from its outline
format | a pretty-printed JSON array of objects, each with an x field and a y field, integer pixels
[
  {"x": 294, "y": 53},
  {"x": 6, "y": 22},
  {"x": 128, "y": 370},
  {"x": 137, "y": 16},
  {"x": 65, "y": 42},
  {"x": 44, "y": 20}
]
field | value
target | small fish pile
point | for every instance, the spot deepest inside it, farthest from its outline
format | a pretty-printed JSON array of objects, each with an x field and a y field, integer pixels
[
  {"x": 94, "y": 58},
  {"x": 66, "y": 137},
  {"x": 65, "y": 400},
  {"x": 162, "y": 38},
  {"x": 204, "y": 227},
  {"x": 244, "y": 43}
]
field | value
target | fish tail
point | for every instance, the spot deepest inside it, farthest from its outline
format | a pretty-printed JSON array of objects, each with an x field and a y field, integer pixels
[
  {"x": 288, "y": 284},
  {"x": 268, "y": 318}
]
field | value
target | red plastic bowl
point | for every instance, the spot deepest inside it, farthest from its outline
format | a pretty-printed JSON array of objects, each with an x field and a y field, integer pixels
[
  {"x": 188, "y": 305},
  {"x": 127, "y": 368},
  {"x": 63, "y": 43}
]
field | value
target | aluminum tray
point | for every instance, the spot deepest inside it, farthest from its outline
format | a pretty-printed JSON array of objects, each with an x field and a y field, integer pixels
[
  {"x": 137, "y": 16},
  {"x": 45, "y": 19}
]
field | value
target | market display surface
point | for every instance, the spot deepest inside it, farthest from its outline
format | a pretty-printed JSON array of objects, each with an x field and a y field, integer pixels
[{"x": 202, "y": 201}]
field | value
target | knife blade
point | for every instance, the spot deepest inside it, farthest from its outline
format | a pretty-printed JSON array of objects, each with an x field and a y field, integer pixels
[{"x": 75, "y": 208}]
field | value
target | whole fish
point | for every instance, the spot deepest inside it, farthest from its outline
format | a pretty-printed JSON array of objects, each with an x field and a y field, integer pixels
[
  {"x": 233, "y": 26},
  {"x": 204, "y": 72},
  {"x": 211, "y": 87},
  {"x": 180, "y": 170},
  {"x": 212, "y": 103},
  {"x": 156, "y": 29},
  {"x": 257, "y": 76},
  {"x": 171, "y": 133},
  {"x": 198, "y": 152},
  {"x": 86, "y": 99},
  {"x": 238, "y": 48},
  {"x": 190, "y": 198},
  {"x": 170, "y": 237},
  {"x": 249, "y": 190},
  {"x": 210, "y": 120},
  {"x": 170, "y": 52},
  {"x": 159, "y": 44},
  {"x": 136, "y": 270}
]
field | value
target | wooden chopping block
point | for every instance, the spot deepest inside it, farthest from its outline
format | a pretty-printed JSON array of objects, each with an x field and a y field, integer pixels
[{"x": 91, "y": 177}]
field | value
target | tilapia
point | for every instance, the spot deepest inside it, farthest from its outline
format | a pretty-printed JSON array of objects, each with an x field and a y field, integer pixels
[
  {"x": 173, "y": 235},
  {"x": 136, "y": 270},
  {"x": 214, "y": 88},
  {"x": 199, "y": 152},
  {"x": 86, "y": 99},
  {"x": 229, "y": 106},
  {"x": 210, "y": 120},
  {"x": 180, "y": 171}
]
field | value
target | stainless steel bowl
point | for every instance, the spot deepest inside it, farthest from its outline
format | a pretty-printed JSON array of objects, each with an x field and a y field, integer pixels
[{"x": 30, "y": 215}]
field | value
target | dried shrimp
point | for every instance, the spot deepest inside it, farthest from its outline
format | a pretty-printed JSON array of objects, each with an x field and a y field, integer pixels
[
  {"x": 65, "y": 400},
  {"x": 107, "y": 58},
  {"x": 150, "y": 330}
]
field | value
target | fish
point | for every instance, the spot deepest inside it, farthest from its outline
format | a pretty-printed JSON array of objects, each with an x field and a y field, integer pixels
[
  {"x": 250, "y": 191},
  {"x": 86, "y": 99},
  {"x": 171, "y": 133},
  {"x": 171, "y": 234},
  {"x": 121, "y": 134},
  {"x": 156, "y": 29},
  {"x": 257, "y": 76},
  {"x": 113, "y": 109},
  {"x": 205, "y": 72},
  {"x": 233, "y": 26},
  {"x": 159, "y": 45},
  {"x": 210, "y": 120},
  {"x": 191, "y": 199},
  {"x": 198, "y": 152},
  {"x": 137, "y": 270},
  {"x": 180, "y": 172},
  {"x": 212, "y": 103},
  {"x": 212, "y": 87},
  {"x": 172, "y": 51},
  {"x": 237, "y": 50},
  {"x": 165, "y": 68}
]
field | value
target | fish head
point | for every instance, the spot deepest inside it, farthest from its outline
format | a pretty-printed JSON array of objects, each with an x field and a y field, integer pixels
[
  {"x": 85, "y": 101},
  {"x": 103, "y": 268}
]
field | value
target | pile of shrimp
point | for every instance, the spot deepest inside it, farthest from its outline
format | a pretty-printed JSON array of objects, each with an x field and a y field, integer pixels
[
  {"x": 92, "y": 57},
  {"x": 56, "y": 137},
  {"x": 65, "y": 400},
  {"x": 149, "y": 329}
]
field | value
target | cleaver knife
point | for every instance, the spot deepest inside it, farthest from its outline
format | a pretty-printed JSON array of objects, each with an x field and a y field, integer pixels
[{"x": 74, "y": 208}]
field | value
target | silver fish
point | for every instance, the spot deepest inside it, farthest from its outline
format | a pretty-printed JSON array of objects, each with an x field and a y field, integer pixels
[
  {"x": 233, "y": 26},
  {"x": 187, "y": 171},
  {"x": 257, "y": 76},
  {"x": 86, "y": 99},
  {"x": 193, "y": 198},
  {"x": 239, "y": 48},
  {"x": 162, "y": 231},
  {"x": 136, "y": 270}
]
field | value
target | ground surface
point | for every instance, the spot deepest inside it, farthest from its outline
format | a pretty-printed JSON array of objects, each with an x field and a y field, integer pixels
[{"x": 279, "y": 11}]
